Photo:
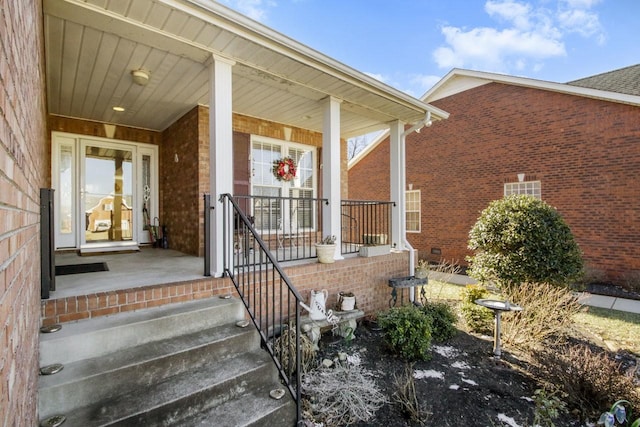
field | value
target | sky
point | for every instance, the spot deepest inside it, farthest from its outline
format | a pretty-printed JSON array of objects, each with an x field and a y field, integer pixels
[{"x": 411, "y": 44}]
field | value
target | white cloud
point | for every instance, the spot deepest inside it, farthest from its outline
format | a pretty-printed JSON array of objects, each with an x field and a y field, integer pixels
[
  {"x": 425, "y": 82},
  {"x": 511, "y": 11},
  {"x": 377, "y": 76},
  {"x": 254, "y": 9},
  {"x": 527, "y": 33},
  {"x": 495, "y": 50},
  {"x": 583, "y": 22}
]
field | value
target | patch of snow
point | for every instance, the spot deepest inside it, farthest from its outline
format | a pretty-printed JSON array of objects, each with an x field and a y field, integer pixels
[
  {"x": 454, "y": 387},
  {"x": 428, "y": 374},
  {"x": 472, "y": 382},
  {"x": 445, "y": 351},
  {"x": 527, "y": 398},
  {"x": 354, "y": 359},
  {"x": 507, "y": 420},
  {"x": 460, "y": 365}
]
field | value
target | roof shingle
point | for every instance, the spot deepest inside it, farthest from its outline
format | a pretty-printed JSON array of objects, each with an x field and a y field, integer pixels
[{"x": 624, "y": 80}]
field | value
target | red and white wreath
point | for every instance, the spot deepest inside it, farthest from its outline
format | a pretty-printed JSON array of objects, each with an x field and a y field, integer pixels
[{"x": 284, "y": 169}]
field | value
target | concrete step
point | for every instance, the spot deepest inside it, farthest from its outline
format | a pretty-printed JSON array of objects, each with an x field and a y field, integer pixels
[
  {"x": 185, "y": 364},
  {"x": 181, "y": 396},
  {"x": 85, "y": 381},
  {"x": 255, "y": 408},
  {"x": 91, "y": 338}
]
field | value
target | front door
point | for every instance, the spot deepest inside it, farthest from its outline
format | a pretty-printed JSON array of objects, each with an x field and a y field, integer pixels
[{"x": 106, "y": 192}]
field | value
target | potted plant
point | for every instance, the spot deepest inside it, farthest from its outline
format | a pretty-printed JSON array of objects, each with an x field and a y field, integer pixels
[
  {"x": 326, "y": 249},
  {"x": 422, "y": 270}
]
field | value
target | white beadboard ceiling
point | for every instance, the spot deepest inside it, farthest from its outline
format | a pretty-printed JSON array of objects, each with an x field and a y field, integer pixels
[{"x": 93, "y": 45}]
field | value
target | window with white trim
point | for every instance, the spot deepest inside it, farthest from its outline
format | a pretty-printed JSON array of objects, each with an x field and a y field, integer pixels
[
  {"x": 267, "y": 212},
  {"x": 412, "y": 209},
  {"x": 530, "y": 188}
]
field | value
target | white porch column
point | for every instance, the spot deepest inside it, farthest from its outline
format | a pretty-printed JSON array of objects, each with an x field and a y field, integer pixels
[
  {"x": 331, "y": 171},
  {"x": 220, "y": 154},
  {"x": 397, "y": 182}
]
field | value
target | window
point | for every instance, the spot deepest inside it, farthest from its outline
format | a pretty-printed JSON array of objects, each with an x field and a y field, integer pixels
[
  {"x": 413, "y": 211},
  {"x": 531, "y": 188},
  {"x": 268, "y": 209}
]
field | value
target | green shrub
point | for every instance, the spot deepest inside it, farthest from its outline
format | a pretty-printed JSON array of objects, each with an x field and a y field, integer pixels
[
  {"x": 478, "y": 319},
  {"x": 443, "y": 320},
  {"x": 522, "y": 239},
  {"x": 407, "y": 331}
]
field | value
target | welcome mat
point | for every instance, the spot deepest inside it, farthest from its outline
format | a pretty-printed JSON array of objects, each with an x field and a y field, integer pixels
[{"x": 62, "y": 270}]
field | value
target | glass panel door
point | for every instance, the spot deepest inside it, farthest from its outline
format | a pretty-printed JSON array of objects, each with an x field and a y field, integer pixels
[
  {"x": 64, "y": 182},
  {"x": 147, "y": 190},
  {"x": 107, "y": 196}
]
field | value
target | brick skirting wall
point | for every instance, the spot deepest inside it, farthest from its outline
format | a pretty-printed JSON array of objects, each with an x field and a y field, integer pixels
[
  {"x": 98, "y": 304},
  {"x": 367, "y": 278}
]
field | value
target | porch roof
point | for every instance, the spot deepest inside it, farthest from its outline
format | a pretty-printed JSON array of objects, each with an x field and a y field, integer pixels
[{"x": 92, "y": 46}]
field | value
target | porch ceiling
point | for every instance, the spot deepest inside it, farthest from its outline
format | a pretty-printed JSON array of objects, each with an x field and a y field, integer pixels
[{"x": 93, "y": 45}]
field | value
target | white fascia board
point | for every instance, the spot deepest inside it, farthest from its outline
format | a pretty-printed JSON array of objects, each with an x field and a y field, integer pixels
[{"x": 458, "y": 80}]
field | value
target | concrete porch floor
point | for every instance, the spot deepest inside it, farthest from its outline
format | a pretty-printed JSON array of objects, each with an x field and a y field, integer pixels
[{"x": 149, "y": 266}]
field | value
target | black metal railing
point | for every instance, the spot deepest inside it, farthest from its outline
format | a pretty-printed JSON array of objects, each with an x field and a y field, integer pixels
[
  {"x": 289, "y": 226},
  {"x": 270, "y": 298},
  {"x": 365, "y": 222}
]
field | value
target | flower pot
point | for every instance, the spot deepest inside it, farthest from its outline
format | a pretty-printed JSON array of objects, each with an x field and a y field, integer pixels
[
  {"x": 325, "y": 253},
  {"x": 347, "y": 302}
]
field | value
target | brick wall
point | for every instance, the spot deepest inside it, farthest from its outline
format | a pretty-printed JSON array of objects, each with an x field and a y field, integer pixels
[
  {"x": 24, "y": 166},
  {"x": 99, "y": 304},
  {"x": 91, "y": 128},
  {"x": 367, "y": 278},
  {"x": 183, "y": 183},
  {"x": 584, "y": 152}
]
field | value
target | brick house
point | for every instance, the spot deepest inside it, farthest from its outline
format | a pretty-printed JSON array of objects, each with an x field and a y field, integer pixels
[
  {"x": 199, "y": 92},
  {"x": 575, "y": 145}
]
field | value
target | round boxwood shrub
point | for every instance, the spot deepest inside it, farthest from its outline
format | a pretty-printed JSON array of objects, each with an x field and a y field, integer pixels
[
  {"x": 522, "y": 239},
  {"x": 407, "y": 331}
]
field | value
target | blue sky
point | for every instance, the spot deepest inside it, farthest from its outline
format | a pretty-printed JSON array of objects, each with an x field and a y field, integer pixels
[{"x": 411, "y": 44}]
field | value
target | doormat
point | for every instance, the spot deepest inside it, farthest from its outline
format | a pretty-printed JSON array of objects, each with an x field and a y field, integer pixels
[{"x": 63, "y": 270}]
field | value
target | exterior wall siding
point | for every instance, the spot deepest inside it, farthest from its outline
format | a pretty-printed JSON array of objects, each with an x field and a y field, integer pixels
[
  {"x": 24, "y": 164},
  {"x": 584, "y": 152}
]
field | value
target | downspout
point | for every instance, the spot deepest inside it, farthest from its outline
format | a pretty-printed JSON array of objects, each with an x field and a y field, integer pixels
[{"x": 412, "y": 263}]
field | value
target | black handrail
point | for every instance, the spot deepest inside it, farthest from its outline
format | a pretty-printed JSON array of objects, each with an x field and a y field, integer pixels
[{"x": 267, "y": 293}]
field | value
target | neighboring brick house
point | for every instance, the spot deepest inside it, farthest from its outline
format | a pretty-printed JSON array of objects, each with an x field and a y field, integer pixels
[{"x": 575, "y": 145}]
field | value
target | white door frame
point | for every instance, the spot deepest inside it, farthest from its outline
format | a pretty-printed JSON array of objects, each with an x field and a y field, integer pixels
[{"x": 76, "y": 238}]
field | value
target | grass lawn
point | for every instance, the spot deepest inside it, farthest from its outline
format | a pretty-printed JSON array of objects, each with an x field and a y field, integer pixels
[{"x": 619, "y": 329}]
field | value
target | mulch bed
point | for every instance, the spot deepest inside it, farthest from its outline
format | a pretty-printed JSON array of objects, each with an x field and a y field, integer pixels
[{"x": 462, "y": 384}]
